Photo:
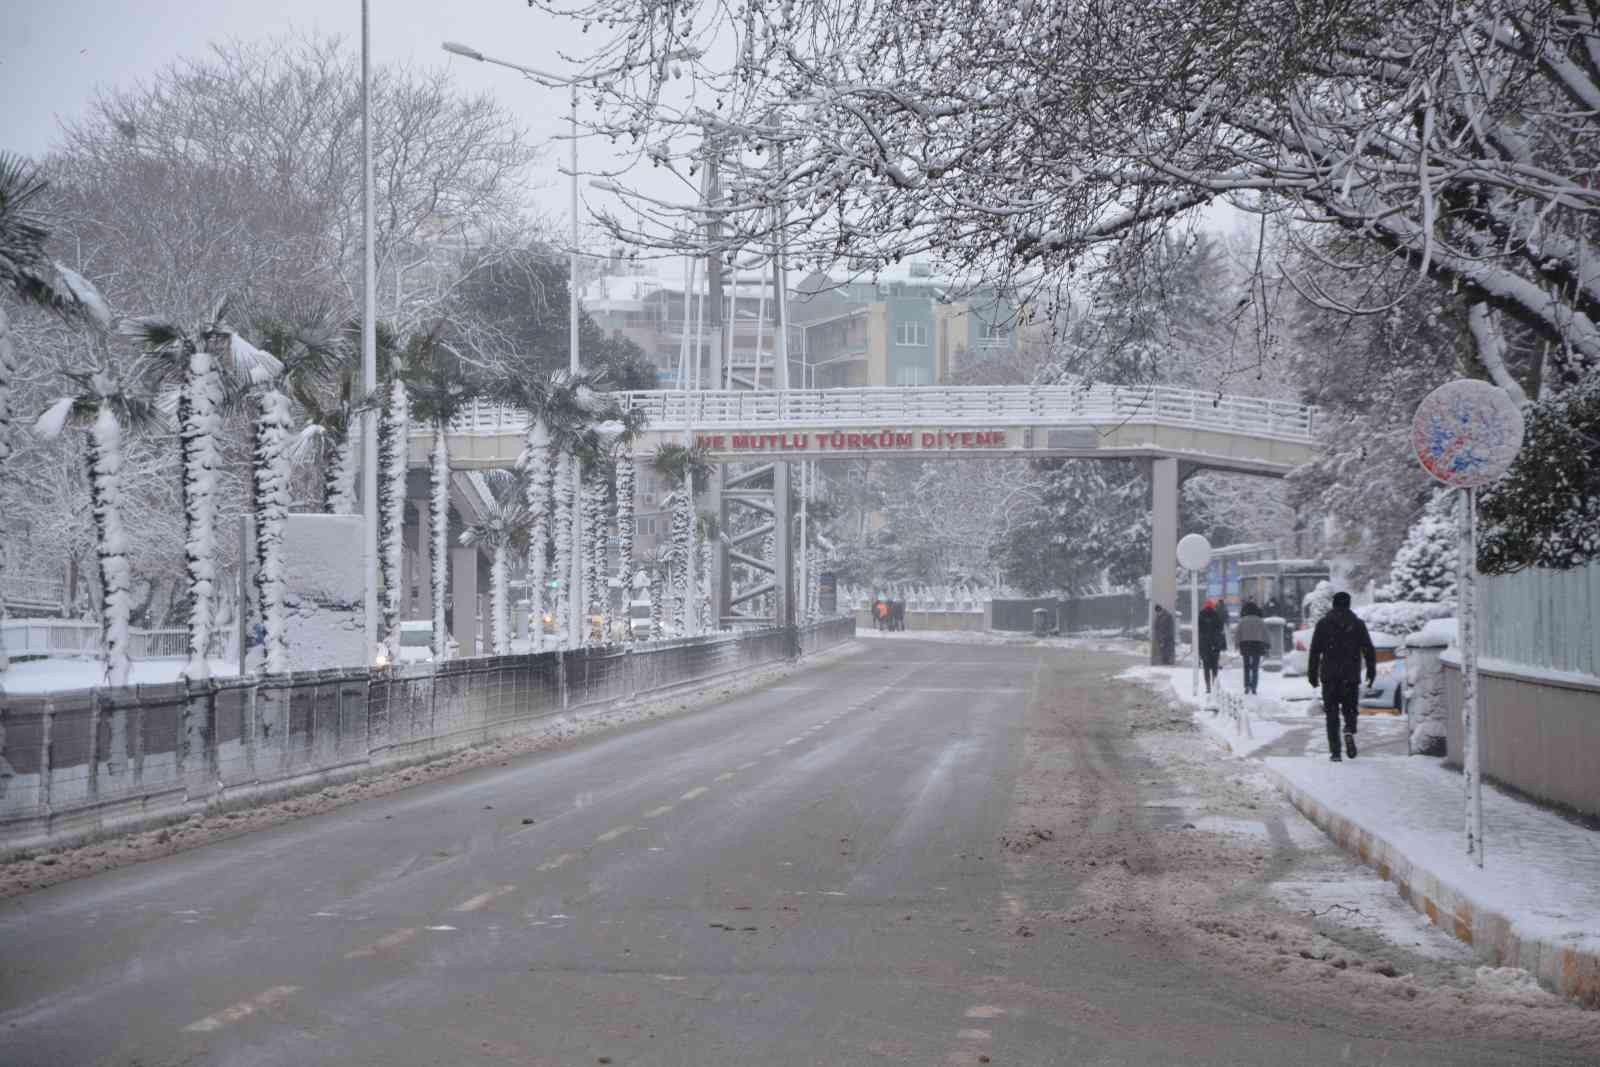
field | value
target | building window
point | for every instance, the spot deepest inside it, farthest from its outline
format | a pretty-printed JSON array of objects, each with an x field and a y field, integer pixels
[
  {"x": 995, "y": 335},
  {"x": 647, "y": 527},
  {"x": 911, "y": 334},
  {"x": 912, "y": 376}
]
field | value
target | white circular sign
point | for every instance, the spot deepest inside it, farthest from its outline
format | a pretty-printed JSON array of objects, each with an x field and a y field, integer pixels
[
  {"x": 1466, "y": 433},
  {"x": 1194, "y": 552}
]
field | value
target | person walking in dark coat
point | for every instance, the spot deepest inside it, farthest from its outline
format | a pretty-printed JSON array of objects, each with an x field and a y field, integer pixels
[
  {"x": 1213, "y": 636},
  {"x": 1339, "y": 646},
  {"x": 1250, "y": 637},
  {"x": 1165, "y": 636}
]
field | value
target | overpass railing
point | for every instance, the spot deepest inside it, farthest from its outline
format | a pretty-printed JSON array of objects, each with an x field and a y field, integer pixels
[
  {"x": 30, "y": 638},
  {"x": 1056, "y": 405}
]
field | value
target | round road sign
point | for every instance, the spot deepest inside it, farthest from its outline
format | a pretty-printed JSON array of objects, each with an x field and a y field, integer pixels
[
  {"x": 1194, "y": 552},
  {"x": 1466, "y": 433}
]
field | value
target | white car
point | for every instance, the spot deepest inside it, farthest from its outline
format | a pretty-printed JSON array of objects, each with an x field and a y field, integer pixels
[
  {"x": 416, "y": 641},
  {"x": 1388, "y": 688}
]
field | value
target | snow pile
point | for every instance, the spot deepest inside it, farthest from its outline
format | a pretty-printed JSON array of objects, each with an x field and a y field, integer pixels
[
  {"x": 1403, "y": 617},
  {"x": 1436, "y": 633}
]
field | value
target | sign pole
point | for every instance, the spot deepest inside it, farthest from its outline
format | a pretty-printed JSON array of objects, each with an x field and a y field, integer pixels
[
  {"x": 1194, "y": 633},
  {"x": 1466, "y": 433},
  {"x": 1471, "y": 719}
]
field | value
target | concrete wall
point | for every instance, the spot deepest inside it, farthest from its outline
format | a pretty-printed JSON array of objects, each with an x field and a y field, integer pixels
[
  {"x": 1108, "y": 611},
  {"x": 929, "y": 620},
  {"x": 76, "y": 765},
  {"x": 1540, "y": 738}
]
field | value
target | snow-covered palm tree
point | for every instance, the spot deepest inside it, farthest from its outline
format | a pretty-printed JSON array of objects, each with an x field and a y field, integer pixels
[
  {"x": 27, "y": 273},
  {"x": 307, "y": 354},
  {"x": 684, "y": 467},
  {"x": 107, "y": 410},
  {"x": 198, "y": 357},
  {"x": 504, "y": 530},
  {"x": 440, "y": 386},
  {"x": 627, "y": 482},
  {"x": 553, "y": 416}
]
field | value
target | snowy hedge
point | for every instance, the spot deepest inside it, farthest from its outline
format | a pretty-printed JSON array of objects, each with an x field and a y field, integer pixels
[{"x": 1402, "y": 617}]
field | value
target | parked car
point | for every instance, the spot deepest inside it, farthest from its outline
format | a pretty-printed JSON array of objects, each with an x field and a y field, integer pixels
[
  {"x": 1388, "y": 689},
  {"x": 416, "y": 641},
  {"x": 639, "y": 617}
]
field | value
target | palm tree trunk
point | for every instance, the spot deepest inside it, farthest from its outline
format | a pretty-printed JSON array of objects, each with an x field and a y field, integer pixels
[
  {"x": 682, "y": 534},
  {"x": 704, "y": 623},
  {"x": 339, "y": 481},
  {"x": 563, "y": 538},
  {"x": 538, "y": 467},
  {"x": 627, "y": 481},
  {"x": 272, "y": 510},
  {"x": 594, "y": 509},
  {"x": 105, "y": 495},
  {"x": 197, "y": 432},
  {"x": 498, "y": 597},
  {"x": 392, "y": 511},
  {"x": 658, "y": 601},
  {"x": 8, "y": 371},
  {"x": 439, "y": 515}
]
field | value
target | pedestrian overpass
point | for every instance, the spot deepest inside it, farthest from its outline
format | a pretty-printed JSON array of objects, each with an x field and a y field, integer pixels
[{"x": 1174, "y": 431}]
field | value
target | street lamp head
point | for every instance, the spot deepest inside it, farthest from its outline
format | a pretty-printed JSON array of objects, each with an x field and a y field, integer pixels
[{"x": 456, "y": 48}]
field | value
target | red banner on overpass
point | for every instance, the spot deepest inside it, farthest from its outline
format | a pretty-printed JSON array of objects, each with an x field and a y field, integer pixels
[{"x": 823, "y": 441}]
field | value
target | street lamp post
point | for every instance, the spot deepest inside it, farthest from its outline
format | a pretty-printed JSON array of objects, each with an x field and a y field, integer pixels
[
  {"x": 575, "y": 591},
  {"x": 369, "y": 352}
]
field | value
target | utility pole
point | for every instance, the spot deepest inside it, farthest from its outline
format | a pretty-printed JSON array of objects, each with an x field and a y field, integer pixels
[{"x": 369, "y": 350}]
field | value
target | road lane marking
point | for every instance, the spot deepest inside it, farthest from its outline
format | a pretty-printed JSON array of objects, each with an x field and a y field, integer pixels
[
  {"x": 772, "y": 752},
  {"x": 612, "y": 834},
  {"x": 746, "y": 766},
  {"x": 656, "y": 813},
  {"x": 697, "y": 791},
  {"x": 242, "y": 1010},
  {"x": 394, "y": 939},
  {"x": 985, "y": 1011},
  {"x": 794, "y": 740},
  {"x": 973, "y": 1035},
  {"x": 723, "y": 777},
  {"x": 483, "y": 898},
  {"x": 438, "y": 927},
  {"x": 560, "y": 861}
]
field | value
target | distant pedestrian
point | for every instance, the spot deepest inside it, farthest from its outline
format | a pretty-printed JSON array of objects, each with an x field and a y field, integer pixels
[
  {"x": 1339, "y": 646},
  {"x": 1164, "y": 636},
  {"x": 880, "y": 613},
  {"x": 897, "y": 615},
  {"x": 1250, "y": 637},
  {"x": 1213, "y": 639}
]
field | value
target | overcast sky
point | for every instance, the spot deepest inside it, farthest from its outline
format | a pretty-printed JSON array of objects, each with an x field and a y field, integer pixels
[{"x": 54, "y": 54}]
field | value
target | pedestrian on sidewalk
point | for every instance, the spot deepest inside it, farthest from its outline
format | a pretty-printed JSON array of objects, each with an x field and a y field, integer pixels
[
  {"x": 1213, "y": 637},
  {"x": 897, "y": 615},
  {"x": 1165, "y": 636},
  {"x": 880, "y": 614},
  {"x": 1250, "y": 637},
  {"x": 1339, "y": 645}
]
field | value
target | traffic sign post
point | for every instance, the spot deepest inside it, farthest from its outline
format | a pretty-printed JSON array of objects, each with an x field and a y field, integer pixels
[
  {"x": 1194, "y": 554},
  {"x": 1466, "y": 433}
]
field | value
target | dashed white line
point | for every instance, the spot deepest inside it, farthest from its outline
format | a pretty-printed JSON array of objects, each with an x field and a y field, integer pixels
[
  {"x": 483, "y": 898},
  {"x": 656, "y": 813},
  {"x": 772, "y": 752},
  {"x": 613, "y": 833},
  {"x": 723, "y": 777},
  {"x": 697, "y": 791},
  {"x": 390, "y": 940},
  {"x": 559, "y": 862},
  {"x": 794, "y": 740},
  {"x": 242, "y": 1010},
  {"x": 746, "y": 766},
  {"x": 973, "y": 1035}
]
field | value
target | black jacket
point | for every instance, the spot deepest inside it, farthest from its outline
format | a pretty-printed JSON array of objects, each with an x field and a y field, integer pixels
[
  {"x": 1213, "y": 635},
  {"x": 1339, "y": 644}
]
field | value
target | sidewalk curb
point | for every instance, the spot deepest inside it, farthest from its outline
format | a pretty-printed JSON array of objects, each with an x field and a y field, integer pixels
[{"x": 1559, "y": 968}]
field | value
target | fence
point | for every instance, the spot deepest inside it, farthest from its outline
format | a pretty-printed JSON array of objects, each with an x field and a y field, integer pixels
[
  {"x": 1543, "y": 619},
  {"x": 30, "y": 638},
  {"x": 81, "y": 763}
]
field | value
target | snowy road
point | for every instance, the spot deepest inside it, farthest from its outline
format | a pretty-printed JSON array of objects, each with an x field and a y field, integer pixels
[{"x": 924, "y": 854}]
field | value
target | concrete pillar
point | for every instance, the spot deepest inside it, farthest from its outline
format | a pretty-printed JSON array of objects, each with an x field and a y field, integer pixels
[
  {"x": 464, "y": 598},
  {"x": 1163, "y": 540},
  {"x": 424, "y": 577}
]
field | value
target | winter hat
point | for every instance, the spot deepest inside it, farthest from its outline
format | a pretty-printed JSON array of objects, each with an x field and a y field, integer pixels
[
  {"x": 1211, "y": 603},
  {"x": 1341, "y": 600}
]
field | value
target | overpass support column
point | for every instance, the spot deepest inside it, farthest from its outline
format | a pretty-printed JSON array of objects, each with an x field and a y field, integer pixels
[{"x": 1163, "y": 540}]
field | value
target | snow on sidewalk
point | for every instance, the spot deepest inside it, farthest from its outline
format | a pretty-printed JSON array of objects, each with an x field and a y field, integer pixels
[
  {"x": 1536, "y": 902},
  {"x": 1242, "y": 736}
]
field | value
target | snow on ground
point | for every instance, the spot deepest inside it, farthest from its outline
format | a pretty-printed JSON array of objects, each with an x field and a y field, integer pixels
[
  {"x": 58, "y": 675},
  {"x": 1087, "y": 643}
]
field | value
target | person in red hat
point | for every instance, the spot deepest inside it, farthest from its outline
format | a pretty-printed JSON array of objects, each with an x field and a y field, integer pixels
[{"x": 1213, "y": 637}]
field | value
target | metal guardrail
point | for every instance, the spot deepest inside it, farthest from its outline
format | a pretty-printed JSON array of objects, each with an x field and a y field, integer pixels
[
  {"x": 66, "y": 637},
  {"x": 19, "y": 589},
  {"x": 1056, "y": 405}
]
